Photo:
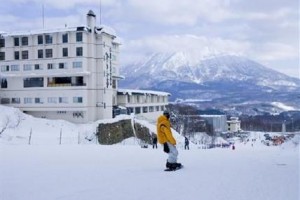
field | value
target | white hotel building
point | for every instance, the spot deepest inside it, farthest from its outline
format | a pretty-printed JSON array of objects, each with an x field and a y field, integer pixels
[{"x": 69, "y": 73}]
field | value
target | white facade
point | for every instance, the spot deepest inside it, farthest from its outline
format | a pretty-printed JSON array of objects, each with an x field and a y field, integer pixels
[
  {"x": 69, "y": 73},
  {"x": 146, "y": 103},
  {"x": 217, "y": 121},
  {"x": 234, "y": 125}
]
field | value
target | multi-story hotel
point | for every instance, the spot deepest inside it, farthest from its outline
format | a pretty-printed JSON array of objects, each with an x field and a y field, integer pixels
[{"x": 69, "y": 73}]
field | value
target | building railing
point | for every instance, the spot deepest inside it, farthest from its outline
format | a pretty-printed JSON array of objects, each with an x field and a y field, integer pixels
[{"x": 65, "y": 84}]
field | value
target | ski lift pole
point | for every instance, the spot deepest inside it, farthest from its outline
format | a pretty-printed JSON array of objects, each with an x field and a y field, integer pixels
[
  {"x": 60, "y": 136},
  {"x": 30, "y": 136}
]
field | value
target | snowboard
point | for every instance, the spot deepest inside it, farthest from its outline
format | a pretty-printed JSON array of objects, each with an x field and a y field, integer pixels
[{"x": 171, "y": 170}]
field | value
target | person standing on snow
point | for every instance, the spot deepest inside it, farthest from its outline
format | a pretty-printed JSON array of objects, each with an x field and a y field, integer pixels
[
  {"x": 186, "y": 143},
  {"x": 165, "y": 137},
  {"x": 154, "y": 142}
]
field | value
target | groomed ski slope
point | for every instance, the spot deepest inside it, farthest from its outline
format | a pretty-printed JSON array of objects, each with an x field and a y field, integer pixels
[{"x": 129, "y": 172}]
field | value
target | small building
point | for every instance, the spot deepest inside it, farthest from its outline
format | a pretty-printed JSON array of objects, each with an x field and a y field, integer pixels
[
  {"x": 217, "y": 121},
  {"x": 146, "y": 103},
  {"x": 234, "y": 125}
]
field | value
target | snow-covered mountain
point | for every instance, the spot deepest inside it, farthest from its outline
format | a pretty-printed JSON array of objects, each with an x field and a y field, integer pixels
[{"x": 224, "y": 79}]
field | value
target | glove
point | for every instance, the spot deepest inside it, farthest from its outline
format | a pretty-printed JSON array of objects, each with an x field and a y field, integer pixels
[{"x": 166, "y": 148}]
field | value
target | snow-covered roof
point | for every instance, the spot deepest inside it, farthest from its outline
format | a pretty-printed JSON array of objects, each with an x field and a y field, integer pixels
[
  {"x": 42, "y": 73},
  {"x": 41, "y": 31},
  {"x": 143, "y": 92},
  {"x": 103, "y": 29}
]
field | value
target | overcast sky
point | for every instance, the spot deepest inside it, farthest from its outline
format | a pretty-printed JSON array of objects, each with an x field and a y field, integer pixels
[{"x": 266, "y": 31}]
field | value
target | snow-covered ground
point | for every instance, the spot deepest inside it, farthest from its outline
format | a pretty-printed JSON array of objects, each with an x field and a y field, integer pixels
[
  {"x": 80, "y": 169},
  {"x": 128, "y": 172}
]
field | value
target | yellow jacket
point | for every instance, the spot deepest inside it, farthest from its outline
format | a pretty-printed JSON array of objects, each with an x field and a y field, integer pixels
[{"x": 164, "y": 133}]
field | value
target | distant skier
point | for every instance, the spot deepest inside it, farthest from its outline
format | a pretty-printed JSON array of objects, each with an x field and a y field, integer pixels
[
  {"x": 186, "y": 143},
  {"x": 154, "y": 142},
  {"x": 233, "y": 147},
  {"x": 165, "y": 137}
]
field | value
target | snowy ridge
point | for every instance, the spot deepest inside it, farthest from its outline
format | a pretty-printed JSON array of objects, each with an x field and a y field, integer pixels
[
  {"x": 224, "y": 79},
  {"x": 188, "y": 67}
]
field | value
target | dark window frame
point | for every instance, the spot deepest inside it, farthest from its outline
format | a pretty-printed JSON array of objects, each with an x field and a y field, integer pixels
[
  {"x": 33, "y": 82},
  {"x": 40, "y": 39},
  {"x": 65, "y": 38},
  {"x": 25, "y": 55},
  {"x": 2, "y": 42},
  {"x": 79, "y": 51},
  {"x": 24, "y": 41},
  {"x": 40, "y": 53},
  {"x": 65, "y": 52},
  {"x": 48, "y": 53},
  {"x": 48, "y": 39},
  {"x": 2, "y": 55},
  {"x": 17, "y": 55},
  {"x": 79, "y": 36},
  {"x": 16, "y": 41}
]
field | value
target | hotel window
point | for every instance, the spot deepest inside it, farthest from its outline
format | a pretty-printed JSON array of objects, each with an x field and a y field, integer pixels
[
  {"x": 27, "y": 67},
  {"x": 40, "y": 39},
  {"x": 33, "y": 82},
  {"x": 77, "y": 100},
  {"x": 24, "y": 54},
  {"x": 157, "y": 108},
  {"x": 49, "y": 53},
  {"x": 15, "y": 100},
  {"x": 48, "y": 39},
  {"x": 62, "y": 65},
  {"x": 38, "y": 66},
  {"x": 63, "y": 99},
  {"x": 40, "y": 53},
  {"x": 4, "y": 68},
  {"x": 145, "y": 109},
  {"x": 15, "y": 68},
  {"x": 77, "y": 64},
  {"x": 2, "y": 55},
  {"x": 17, "y": 55},
  {"x": 65, "y": 38},
  {"x": 5, "y": 100},
  {"x": 24, "y": 41},
  {"x": 27, "y": 100},
  {"x": 137, "y": 110},
  {"x": 50, "y": 66},
  {"x": 65, "y": 52},
  {"x": 79, "y": 37},
  {"x": 79, "y": 51},
  {"x": 3, "y": 83},
  {"x": 38, "y": 100},
  {"x": 151, "y": 109},
  {"x": 2, "y": 42},
  {"x": 16, "y": 42},
  {"x": 52, "y": 99}
]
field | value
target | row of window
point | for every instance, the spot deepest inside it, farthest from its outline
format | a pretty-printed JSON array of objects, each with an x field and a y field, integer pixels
[
  {"x": 29, "y": 67},
  {"x": 39, "y": 100},
  {"x": 145, "y": 109},
  {"x": 145, "y": 99},
  {"x": 41, "y": 53},
  {"x": 51, "y": 82},
  {"x": 41, "y": 39}
]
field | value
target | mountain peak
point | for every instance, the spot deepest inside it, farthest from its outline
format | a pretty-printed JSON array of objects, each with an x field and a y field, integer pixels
[{"x": 196, "y": 68}]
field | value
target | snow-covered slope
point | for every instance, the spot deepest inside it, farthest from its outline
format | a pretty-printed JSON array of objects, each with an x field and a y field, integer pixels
[
  {"x": 19, "y": 128},
  {"x": 72, "y": 171}
]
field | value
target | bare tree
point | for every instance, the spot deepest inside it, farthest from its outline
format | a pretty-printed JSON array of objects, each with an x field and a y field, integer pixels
[{"x": 5, "y": 125}]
